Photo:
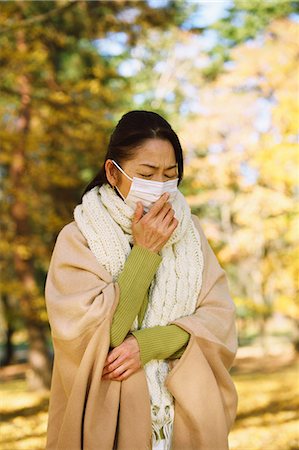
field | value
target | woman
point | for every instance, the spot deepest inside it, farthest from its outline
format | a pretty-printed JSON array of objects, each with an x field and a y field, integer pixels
[{"x": 142, "y": 322}]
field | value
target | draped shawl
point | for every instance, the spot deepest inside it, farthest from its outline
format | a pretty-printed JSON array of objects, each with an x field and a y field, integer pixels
[{"x": 89, "y": 413}]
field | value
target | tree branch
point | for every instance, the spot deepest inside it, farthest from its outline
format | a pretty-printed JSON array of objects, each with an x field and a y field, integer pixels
[{"x": 39, "y": 18}]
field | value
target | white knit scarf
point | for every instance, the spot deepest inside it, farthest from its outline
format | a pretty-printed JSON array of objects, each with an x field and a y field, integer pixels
[{"x": 105, "y": 221}]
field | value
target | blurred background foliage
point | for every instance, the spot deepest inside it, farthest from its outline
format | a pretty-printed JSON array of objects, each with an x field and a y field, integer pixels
[{"x": 224, "y": 74}]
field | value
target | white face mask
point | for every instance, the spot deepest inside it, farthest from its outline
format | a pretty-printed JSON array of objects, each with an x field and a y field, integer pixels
[{"x": 147, "y": 191}]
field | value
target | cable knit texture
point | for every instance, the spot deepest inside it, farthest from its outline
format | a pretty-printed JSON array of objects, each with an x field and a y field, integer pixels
[{"x": 105, "y": 220}]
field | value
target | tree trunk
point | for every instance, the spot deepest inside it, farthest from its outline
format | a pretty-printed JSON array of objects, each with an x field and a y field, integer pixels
[
  {"x": 8, "y": 348},
  {"x": 39, "y": 375},
  {"x": 39, "y": 359}
]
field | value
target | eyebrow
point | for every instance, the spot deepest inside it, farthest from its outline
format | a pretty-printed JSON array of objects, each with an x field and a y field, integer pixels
[{"x": 152, "y": 166}]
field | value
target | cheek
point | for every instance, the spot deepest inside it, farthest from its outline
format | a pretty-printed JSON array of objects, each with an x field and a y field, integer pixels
[{"x": 125, "y": 187}]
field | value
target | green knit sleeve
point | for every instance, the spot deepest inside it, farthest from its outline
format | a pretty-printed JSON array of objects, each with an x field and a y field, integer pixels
[
  {"x": 161, "y": 342},
  {"x": 134, "y": 281}
]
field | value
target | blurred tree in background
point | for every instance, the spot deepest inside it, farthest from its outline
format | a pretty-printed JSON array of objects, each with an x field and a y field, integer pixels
[
  {"x": 245, "y": 171},
  {"x": 58, "y": 105},
  {"x": 70, "y": 69},
  {"x": 237, "y": 114}
]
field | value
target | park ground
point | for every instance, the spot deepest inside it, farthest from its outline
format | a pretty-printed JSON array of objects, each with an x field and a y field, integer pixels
[{"x": 267, "y": 418}]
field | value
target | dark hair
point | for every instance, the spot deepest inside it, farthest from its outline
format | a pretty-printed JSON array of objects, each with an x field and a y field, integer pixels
[{"x": 133, "y": 128}]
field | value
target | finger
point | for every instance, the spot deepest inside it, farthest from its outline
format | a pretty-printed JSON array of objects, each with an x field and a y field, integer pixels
[
  {"x": 112, "y": 366},
  {"x": 167, "y": 230},
  {"x": 116, "y": 363},
  {"x": 158, "y": 205},
  {"x": 117, "y": 371},
  {"x": 124, "y": 375},
  {"x": 106, "y": 362},
  {"x": 163, "y": 212},
  {"x": 113, "y": 355},
  {"x": 138, "y": 212},
  {"x": 173, "y": 225},
  {"x": 168, "y": 218}
]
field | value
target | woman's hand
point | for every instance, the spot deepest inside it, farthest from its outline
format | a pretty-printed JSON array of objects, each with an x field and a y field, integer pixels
[
  {"x": 123, "y": 360},
  {"x": 153, "y": 230}
]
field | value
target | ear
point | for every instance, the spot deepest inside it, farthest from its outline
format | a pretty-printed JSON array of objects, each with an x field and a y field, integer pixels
[{"x": 111, "y": 172}]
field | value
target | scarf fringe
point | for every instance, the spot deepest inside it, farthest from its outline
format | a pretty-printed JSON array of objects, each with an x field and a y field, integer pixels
[{"x": 167, "y": 429}]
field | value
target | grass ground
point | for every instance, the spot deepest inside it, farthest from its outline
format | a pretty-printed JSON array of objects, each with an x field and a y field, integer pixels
[
  {"x": 23, "y": 417},
  {"x": 268, "y": 410},
  {"x": 267, "y": 413}
]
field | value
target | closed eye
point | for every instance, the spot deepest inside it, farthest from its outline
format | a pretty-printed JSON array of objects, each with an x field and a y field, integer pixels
[{"x": 147, "y": 176}]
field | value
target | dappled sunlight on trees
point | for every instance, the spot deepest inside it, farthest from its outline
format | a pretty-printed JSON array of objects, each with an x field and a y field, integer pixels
[
  {"x": 245, "y": 175},
  {"x": 60, "y": 99}
]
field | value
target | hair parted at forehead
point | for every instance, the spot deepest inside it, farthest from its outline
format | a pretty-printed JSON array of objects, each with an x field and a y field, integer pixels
[{"x": 131, "y": 131}]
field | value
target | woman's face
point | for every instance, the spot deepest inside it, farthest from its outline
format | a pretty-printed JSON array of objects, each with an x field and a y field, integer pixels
[{"x": 154, "y": 160}]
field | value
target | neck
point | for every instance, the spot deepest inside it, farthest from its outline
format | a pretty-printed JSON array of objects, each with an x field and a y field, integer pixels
[{"x": 118, "y": 193}]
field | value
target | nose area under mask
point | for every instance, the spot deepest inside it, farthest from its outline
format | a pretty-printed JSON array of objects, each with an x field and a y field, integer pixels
[{"x": 147, "y": 191}]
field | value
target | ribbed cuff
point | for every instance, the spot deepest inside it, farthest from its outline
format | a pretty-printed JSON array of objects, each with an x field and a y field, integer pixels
[{"x": 160, "y": 342}]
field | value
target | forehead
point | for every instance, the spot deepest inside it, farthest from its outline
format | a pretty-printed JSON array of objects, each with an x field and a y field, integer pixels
[{"x": 159, "y": 152}]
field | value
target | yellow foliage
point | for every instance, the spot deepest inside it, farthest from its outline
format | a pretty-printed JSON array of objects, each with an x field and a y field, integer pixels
[
  {"x": 287, "y": 306},
  {"x": 253, "y": 219},
  {"x": 23, "y": 251},
  {"x": 248, "y": 307},
  {"x": 279, "y": 164},
  {"x": 59, "y": 97}
]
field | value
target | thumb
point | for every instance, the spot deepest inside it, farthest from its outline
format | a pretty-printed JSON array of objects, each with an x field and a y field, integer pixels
[{"x": 138, "y": 212}]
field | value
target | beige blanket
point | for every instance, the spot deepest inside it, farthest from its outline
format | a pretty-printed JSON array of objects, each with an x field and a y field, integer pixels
[{"x": 89, "y": 413}]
